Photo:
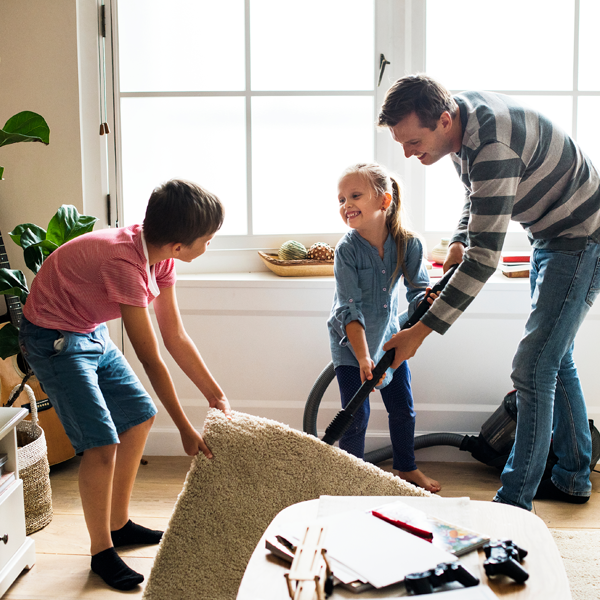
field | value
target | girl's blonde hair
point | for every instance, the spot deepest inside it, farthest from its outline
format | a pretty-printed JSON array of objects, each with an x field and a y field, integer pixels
[{"x": 383, "y": 183}]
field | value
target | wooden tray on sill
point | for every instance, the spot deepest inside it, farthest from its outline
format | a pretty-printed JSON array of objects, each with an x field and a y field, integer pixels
[{"x": 297, "y": 268}]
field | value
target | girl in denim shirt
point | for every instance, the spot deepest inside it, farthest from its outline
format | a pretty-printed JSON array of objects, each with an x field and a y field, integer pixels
[{"x": 369, "y": 261}]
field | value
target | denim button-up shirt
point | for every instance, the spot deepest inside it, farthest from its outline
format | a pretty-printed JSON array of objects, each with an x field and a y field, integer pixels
[{"x": 365, "y": 293}]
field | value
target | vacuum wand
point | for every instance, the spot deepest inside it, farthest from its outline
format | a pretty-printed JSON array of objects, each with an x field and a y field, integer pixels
[{"x": 344, "y": 418}]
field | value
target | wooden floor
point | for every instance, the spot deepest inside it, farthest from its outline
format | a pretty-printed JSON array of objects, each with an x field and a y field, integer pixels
[{"x": 62, "y": 548}]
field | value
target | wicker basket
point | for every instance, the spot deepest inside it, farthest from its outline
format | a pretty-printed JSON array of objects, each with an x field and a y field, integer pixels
[
  {"x": 297, "y": 268},
  {"x": 34, "y": 470}
]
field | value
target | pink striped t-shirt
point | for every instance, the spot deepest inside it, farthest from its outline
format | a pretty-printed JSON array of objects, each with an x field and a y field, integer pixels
[{"x": 82, "y": 283}]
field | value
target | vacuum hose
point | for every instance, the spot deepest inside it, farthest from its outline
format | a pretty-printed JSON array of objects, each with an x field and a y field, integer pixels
[
  {"x": 344, "y": 418},
  {"x": 311, "y": 411}
]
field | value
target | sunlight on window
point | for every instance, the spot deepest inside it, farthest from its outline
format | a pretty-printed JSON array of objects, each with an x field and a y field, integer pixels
[
  {"x": 181, "y": 45},
  {"x": 588, "y": 129},
  {"x": 312, "y": 45},
  {"x": 589, "y": 45},
  {"x": 445, "y": 196},
  {"x": 512, "y": 45},
  {"x": 300, "y": 146},
  {"x": 200, "y": 139}
]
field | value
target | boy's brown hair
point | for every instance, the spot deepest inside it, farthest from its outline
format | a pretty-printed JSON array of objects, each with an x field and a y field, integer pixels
[{"x": 181, "y": 212}]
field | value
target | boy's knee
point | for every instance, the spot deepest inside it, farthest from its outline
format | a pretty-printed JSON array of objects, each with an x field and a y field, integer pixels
[{"x": 101, "y": 454}]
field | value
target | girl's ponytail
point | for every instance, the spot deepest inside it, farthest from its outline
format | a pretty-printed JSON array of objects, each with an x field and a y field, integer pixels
[{"x": 394, "y": 221}]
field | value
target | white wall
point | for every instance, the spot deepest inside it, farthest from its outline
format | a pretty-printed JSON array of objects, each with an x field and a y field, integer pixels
[{"x": 265, "y": 340}]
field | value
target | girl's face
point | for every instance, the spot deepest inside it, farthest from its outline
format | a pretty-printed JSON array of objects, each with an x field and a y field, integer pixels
[{"x": 360, "y": 206}]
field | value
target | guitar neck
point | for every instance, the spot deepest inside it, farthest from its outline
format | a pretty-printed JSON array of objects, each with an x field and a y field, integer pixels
[{"x": 14, "y": 305}]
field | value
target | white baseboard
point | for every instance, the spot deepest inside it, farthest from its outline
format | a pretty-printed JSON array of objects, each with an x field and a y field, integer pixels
[{"x": 165, "y": 441}]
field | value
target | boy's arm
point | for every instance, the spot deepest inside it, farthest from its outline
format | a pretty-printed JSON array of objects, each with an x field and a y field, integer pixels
[
  {"x": 181, "y": 347},
  {"x": 141, "y": 333}
]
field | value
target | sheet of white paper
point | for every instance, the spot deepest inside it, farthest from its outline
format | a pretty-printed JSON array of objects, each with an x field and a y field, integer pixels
[
  {"x": 294, "y": 531},
  {"x": 380, "y": 553}
]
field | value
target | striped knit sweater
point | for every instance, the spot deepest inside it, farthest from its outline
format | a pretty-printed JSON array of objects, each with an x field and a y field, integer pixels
[{"x": 515, "y": 164}]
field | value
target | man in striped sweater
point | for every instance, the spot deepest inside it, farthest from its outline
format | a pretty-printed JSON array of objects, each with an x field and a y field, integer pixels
[{"x": 515, "y": 164}]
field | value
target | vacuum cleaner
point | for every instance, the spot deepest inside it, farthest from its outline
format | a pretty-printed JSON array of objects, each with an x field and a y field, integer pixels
[{"x": 492, "y": 446}]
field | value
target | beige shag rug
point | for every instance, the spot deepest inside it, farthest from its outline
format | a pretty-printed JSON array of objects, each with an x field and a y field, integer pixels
[
  {"x": 259, "y": 468},
  {"x": 580, "y": 551}
]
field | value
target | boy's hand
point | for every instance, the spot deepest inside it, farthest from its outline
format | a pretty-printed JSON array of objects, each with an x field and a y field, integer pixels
[
  {"x": 193, "y": 443},
  {"x": 223, "y": 405}
]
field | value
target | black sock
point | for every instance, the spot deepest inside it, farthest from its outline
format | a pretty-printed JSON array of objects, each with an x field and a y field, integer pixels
[
  {"x": 110, "y": 566},
  {"x": 131, "y": 534},
  {"x": 548, "y": 491}
]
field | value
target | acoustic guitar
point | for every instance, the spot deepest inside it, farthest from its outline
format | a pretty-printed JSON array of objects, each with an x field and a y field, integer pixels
[{"x": 12, "y": 372}]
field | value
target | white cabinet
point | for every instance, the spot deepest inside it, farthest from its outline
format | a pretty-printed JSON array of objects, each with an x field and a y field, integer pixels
[{"x": 17, "y": 552}]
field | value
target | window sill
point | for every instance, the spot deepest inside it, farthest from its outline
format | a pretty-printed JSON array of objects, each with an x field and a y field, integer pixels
[{"x": 498, "y": 281}]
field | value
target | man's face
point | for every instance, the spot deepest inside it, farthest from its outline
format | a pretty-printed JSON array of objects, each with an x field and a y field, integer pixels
[{"x": 427, "y": 145}]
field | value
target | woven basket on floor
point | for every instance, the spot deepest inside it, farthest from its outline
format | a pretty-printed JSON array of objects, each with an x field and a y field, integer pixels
[{"x": 34, "y": 470}]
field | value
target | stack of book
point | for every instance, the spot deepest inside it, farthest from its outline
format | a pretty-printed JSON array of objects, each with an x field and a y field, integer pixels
[{"x": 515, "y": 264}]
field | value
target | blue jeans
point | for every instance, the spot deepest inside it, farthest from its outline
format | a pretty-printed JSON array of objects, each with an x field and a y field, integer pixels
[
  {"x": 95, "y": 392},
  {"x": 550, "y": 402},
  {"x": 398, "y": 400}
]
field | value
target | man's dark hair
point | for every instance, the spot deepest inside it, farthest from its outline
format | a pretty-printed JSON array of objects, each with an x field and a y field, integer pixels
[
  {"x": 419, "y": 94},
  {"x": 181, "y": 212}
]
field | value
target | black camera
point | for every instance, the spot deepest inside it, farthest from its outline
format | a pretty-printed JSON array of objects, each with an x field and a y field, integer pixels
[
  {"x": 503, "y": 558},
  {"x": 423, "y": 583}
]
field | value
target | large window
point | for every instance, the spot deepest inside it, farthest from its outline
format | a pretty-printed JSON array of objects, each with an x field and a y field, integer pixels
[
  {"x": 262, "y": 102},
  {"x": 265, "y": 102}
]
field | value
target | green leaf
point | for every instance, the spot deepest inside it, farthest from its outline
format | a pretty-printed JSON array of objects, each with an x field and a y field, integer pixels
[
  {"x": 34, "y": 257},
  {"x": 9, "y": 341},
  {"x": 35, "y": 251},
  {"x": 68, "y": 224},
  {"x": 1, "y": 173},
  {"x": 25, "y": 126},
  {"x": 35, "y": 231},
  {"x": 13, "y": 283}
]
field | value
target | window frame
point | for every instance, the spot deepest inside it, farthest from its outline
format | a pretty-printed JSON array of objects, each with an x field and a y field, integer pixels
[{"x": 400, "y": 27}]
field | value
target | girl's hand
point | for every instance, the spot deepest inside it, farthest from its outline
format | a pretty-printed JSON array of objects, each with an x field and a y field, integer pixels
[
  {"x": 366, "y": 366},
  {"x": 430, "y": 297}
]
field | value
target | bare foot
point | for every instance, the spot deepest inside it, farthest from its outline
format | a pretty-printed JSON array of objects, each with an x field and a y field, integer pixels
[{"x": 419, "y": 478}]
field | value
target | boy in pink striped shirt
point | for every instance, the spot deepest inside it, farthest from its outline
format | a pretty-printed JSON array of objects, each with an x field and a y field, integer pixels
[{"x": 107, "y": 414}]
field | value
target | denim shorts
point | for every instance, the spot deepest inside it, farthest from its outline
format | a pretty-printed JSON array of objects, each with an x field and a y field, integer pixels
[{"x": 89, "y": 382}]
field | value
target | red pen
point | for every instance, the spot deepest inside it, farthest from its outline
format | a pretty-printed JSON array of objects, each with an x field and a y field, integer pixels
[{"x": 422, "y": 533}]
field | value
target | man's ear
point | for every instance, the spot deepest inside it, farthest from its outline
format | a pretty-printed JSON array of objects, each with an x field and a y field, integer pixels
[{"x": 446, "y": 120}]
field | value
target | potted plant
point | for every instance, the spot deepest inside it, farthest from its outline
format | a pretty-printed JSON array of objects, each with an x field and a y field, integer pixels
[{"x": 37, "y": 244}]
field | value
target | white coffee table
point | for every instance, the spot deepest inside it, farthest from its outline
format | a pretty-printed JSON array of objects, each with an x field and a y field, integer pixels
[{"x": 264, "y": 576}]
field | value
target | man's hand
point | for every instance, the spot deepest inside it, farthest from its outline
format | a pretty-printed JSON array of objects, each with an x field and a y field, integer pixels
[
  {"x": 454, "y": 256},
  {"x": 223, "y": 405},
  {"x": 407, "y": 342},
  {"x": 193, "y": 443}
]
